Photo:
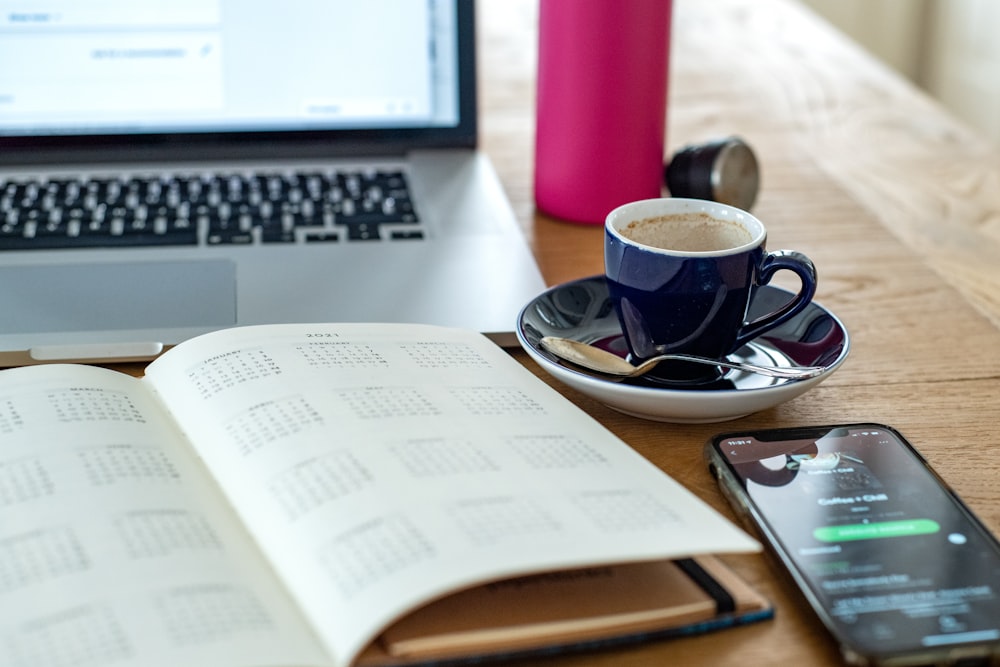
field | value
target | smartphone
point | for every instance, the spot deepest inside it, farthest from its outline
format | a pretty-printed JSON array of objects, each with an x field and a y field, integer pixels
[{"x": 891, "y": 560}]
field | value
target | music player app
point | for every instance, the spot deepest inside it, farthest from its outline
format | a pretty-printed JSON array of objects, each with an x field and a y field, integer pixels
[{"x": 884, "y": 547}]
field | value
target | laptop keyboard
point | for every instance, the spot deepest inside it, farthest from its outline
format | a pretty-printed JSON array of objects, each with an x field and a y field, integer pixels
[{"x": 236, "y": 209}]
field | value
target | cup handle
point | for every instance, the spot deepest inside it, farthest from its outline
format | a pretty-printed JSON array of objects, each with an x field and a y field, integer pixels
[{"x": 771, "y": 264}]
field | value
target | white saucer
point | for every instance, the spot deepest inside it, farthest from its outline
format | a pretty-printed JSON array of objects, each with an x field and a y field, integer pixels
[{"x": 582, "y": 310}]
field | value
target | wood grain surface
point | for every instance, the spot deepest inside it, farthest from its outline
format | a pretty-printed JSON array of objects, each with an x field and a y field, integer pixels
[{"x": 897, "y": 203}]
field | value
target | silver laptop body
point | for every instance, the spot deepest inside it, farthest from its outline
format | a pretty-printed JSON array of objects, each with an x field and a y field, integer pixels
[{"x": 198, "y": 90}]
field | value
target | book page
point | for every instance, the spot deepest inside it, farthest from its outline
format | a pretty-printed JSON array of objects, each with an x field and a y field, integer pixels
[
  {"x": 116, "y": 548},
  {"x": 382, "y": 465}
]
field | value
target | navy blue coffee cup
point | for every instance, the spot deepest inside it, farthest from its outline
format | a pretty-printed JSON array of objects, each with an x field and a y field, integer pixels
[{"x": 681, "y": 274}]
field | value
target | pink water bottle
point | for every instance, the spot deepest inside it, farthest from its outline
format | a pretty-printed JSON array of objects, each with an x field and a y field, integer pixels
[{"x": 601, "y": 105}]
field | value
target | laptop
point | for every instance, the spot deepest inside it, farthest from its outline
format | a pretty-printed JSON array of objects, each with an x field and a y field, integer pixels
[{"x": 171, "y": 168}]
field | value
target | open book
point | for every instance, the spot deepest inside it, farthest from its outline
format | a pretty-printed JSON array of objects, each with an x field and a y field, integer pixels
[{"x": 334, "y": 494}]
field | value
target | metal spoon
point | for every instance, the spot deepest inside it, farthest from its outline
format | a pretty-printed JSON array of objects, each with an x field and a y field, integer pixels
[{"x": 607, "y": 363}]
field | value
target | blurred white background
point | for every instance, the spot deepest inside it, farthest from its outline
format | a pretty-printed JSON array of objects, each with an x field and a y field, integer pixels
[{"x": 947, "y": 47}]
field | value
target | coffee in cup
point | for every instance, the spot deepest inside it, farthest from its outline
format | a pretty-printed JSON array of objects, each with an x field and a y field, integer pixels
[{"x": 687, "y": 232}]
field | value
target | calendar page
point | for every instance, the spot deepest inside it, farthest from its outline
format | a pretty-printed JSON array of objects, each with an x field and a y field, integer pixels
[
  {"x": 116, "y": 547},
  {"x": 381, "y": 466}
]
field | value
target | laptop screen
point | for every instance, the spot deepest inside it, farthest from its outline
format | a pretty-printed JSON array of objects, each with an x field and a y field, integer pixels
[{"x": 208, "y": 72}]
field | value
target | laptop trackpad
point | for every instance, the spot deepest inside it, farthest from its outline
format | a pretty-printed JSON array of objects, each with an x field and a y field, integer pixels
[{"x": 114, "y": 296}]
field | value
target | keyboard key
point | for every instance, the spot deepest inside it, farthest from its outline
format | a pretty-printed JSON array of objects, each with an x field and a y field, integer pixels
[
  {"x": 322, "y": 236},
  {"x": 406, "y": 234}
]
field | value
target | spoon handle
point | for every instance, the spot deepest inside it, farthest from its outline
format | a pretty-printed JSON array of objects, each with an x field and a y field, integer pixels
[
  {"x": 609, "y": 364},
  {"x": 796, "y": 373}
]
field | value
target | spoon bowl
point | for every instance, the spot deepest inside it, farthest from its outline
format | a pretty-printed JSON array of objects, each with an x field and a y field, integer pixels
[{"x": 614, "y": 367}]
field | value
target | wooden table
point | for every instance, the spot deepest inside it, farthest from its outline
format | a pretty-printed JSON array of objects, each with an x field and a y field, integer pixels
[{"x": 896, "y": 202}]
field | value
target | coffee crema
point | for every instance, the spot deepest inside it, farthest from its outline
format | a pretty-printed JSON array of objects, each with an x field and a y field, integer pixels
[{"x": 687, "y": 232}]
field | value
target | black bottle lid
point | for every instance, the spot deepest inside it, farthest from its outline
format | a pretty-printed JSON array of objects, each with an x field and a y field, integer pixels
[{"x": 722, "y": 170}]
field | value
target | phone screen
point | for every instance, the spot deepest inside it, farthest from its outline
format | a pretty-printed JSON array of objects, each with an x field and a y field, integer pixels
[{"x": 894, "y": 559}]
